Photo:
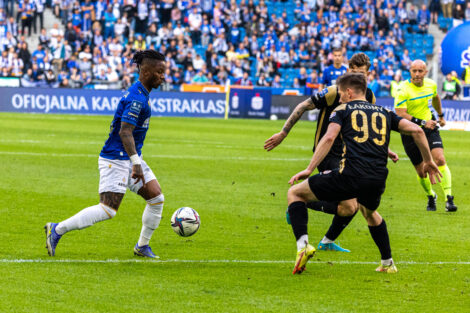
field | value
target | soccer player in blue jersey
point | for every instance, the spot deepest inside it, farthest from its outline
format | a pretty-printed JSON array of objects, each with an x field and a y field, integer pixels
[
  {"x": 332, "y": 72},
  {"x": 120, "y": 163}
]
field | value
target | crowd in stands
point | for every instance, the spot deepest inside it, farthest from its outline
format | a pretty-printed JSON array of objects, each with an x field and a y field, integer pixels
[{"x": 248, "y": 42}]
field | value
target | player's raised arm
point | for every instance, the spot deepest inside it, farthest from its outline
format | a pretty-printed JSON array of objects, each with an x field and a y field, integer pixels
[
  {"x": 321, "y": 151},
  {"x": 129, "y": 145},
  {"x": 429, "y": 167},
  {"x": 277, "y": 138}
]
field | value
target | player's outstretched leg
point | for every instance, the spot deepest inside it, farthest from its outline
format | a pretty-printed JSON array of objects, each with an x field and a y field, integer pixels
[
  {"x": 81, "y": 220},
  {"x": 150, "y": 221}
]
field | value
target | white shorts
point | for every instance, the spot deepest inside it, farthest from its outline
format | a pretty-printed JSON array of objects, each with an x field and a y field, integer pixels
[{"x": 115, "y": 175}]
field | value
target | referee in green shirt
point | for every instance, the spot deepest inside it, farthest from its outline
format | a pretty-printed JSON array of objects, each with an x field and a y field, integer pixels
[{"x": 413, "y": 101}]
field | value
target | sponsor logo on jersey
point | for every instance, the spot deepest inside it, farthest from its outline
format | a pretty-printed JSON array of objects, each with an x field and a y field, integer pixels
[{"x": 136, "y": 106}]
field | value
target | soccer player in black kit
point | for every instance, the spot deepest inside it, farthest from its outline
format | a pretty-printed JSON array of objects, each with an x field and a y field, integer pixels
[
  {"x": 365, "y": 132},
  {"x": 326, "y": 101}
]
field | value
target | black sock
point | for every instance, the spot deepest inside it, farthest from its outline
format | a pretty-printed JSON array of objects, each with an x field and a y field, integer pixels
[
  {"x": 380, "y": 236},
  {"x": 324, "y": 206},
  {"x": 298, "y": 218},
  {"x": 337, "y": 226}
]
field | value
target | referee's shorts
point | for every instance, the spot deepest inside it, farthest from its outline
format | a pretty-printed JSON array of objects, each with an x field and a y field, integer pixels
[{"x": 412, "y": 150}]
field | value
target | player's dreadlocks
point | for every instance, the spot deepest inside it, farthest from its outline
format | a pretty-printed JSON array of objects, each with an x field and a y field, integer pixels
[{"x": 140, "y": 56}]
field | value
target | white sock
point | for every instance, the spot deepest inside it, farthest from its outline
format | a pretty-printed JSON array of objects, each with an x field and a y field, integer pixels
[
  {"x": 151, "y": 219},
  {"x": 325, "y": 240},
  {"x": 302, "y": 242},
  {"x": 85, "y": 218},
  {"x": 387, "y": 262}
]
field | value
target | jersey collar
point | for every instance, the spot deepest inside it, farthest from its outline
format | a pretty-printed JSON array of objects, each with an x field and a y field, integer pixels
[{"x": 142, "y": 88}]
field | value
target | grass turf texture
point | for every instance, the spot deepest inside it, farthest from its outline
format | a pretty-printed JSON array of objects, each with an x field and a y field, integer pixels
[{"x": 49, "y": 172}]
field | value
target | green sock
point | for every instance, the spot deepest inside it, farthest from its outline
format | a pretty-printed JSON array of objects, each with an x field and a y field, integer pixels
[
  {"x": 426, "y": 183},
  {"x": 446, "y": 180}
]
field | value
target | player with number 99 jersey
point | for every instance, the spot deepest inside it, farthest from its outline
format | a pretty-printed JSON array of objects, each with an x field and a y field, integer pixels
[{"x": 365, "y": 131}]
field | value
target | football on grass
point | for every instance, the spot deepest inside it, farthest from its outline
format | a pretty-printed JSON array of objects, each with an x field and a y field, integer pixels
[{"x": 185, "y": 221}]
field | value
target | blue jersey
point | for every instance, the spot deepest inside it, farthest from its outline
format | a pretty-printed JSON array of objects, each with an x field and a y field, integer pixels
[
  {"x": 331, "y": 74},
  {"x": 134, "y": 108}
]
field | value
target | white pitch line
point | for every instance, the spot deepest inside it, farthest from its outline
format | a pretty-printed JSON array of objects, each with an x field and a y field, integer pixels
[
  {"x": 147, "y": 156},
  {"x": 344, "y": 262},
  {"x": 162, "y": 156}
]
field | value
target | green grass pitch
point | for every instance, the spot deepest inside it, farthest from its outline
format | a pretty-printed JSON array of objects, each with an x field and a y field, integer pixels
[{"x": 242, "y": 257}]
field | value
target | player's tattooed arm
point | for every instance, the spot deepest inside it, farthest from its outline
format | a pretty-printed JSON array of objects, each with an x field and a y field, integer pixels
[
  {"x": 127, "y": 138},
  {"x": 277, "y": 138},
  {"x": 111, "y": 199},
  {"x": 297, "y": 114},
  {"x": 129, "y": 145}
]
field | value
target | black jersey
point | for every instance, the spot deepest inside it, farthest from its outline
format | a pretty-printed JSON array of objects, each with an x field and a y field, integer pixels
[
  {"x": 326, "y": 101},
  {"x": 365, "y": 132}
]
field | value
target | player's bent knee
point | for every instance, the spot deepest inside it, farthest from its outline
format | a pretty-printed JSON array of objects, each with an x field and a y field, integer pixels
[
  {"x": 151, "y": 190},
  {"x": 346, "y": 209},
  {"x": 294, "y": 194},
  {"x": 373, "y": 218}
]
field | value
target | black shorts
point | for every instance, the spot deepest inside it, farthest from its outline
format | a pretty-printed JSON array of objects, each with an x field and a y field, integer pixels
[
  {"x": 329, "y": 163},
  {"x": 333, "y": 186},
  {"x": 412, "y": 150}
]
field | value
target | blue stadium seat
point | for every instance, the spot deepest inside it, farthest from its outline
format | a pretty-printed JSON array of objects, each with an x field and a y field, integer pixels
[
  {"x": 200, "y": 50},
  {"x": 409, "y": 44},
  {"x": 418, "y": 44},
  {"x": 420, "y": 55},
  {"x": 418, "y": 38}
]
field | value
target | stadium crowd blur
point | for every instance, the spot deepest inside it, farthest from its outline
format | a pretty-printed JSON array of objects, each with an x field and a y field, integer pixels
[{"x": 249, "y": 42}]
